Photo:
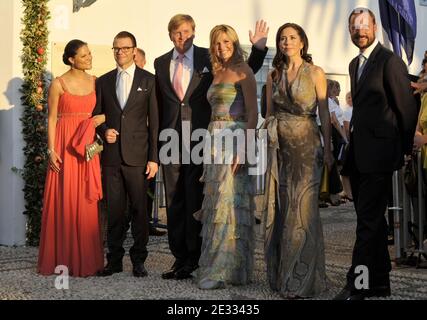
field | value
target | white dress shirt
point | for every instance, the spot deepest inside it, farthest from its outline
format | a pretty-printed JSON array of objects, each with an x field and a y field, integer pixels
[
  {"x": 334, "y": 107},
  {"x": 131, "y": 72},
  {"x": 367, "y": 52},
  {"x": 348, "y": 112},
  {"x": 188, "y": 67}
]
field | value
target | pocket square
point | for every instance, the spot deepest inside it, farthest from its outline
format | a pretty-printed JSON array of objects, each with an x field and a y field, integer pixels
[
  {"x": 205, "y": 70},
  {"x": 139, "y": 89}
]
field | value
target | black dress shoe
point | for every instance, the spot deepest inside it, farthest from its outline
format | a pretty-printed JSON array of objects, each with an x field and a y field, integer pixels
[
  {"x": 110, "y": 270},
  {"x": 347, "y": 294},
  {"x": 185, "y": 273},
  {"x": 379, "y": 291},
  {"x": 139, "y": 271},
  {"x": 171, "y": 273},
  {"x": 156, "y": 232}
]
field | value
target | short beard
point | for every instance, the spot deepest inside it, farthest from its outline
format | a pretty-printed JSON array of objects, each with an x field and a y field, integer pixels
[{"x": 368, "y": 44}]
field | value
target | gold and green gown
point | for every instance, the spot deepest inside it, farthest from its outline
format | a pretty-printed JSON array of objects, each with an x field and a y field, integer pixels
[
  {"x": 227, "y": 211},
  {"x": 294, "y": 248}
]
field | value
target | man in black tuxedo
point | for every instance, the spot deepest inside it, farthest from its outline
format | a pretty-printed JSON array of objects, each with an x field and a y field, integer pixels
[
  {"x": 381, "y": 133},
  {"x": 127, "y": 97},
  {"x": 183, "y": 77}
]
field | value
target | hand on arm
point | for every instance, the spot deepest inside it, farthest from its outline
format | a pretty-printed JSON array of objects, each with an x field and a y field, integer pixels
[
  {"x": 98, "y": 120},
  {"x": 419, "y": 87}
]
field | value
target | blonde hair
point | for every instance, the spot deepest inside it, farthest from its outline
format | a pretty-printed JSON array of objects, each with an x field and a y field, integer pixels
[
  {"x": 238, "y": 55},
  {"x": 179, "y": 19}
]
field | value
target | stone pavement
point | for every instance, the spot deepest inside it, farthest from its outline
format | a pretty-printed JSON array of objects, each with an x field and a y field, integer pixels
[{"x": 19, "y": 281}]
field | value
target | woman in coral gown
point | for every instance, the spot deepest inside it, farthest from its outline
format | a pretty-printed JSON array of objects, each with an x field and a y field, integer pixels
[{"x": 70, "y": 232}]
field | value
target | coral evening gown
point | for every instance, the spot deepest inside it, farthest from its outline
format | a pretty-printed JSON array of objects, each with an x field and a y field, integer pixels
[{"x": 70, "y": 231}]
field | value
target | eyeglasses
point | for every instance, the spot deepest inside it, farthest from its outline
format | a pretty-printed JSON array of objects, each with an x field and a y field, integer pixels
[{"x": 123, "y": 49}]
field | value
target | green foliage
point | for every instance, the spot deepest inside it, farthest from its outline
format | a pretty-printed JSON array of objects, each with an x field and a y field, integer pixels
[{"x": 34, "y": 37}]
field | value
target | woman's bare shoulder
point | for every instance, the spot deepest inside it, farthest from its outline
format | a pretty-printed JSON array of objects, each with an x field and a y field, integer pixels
[{"x": 243, "y": 69}]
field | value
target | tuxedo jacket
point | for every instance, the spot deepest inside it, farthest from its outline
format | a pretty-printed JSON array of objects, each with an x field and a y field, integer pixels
[
  {"x": 137, "y": 123},
  {"x": 384, "y": 113},
  {"x": 195, "y": 106}
]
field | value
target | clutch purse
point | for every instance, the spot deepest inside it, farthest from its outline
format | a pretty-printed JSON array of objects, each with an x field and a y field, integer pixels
[
  {"x": 324, "y": 184},
  {"x": 94, "y": 148}
]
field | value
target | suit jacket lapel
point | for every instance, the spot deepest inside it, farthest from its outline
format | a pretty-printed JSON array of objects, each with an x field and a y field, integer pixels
[
  {"x": 353, "y": 75},
  {"x": 197, "y": 69},
  {"x": 369, "y": 64},
  {"x": 112, "y": 83},
  {"x": 165, "y": 72}
]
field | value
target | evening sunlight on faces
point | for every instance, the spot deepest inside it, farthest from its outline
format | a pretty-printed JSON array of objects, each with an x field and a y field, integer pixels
[
  {"x": 125, "y": 52},
  {"x": 83, "y": 59},
  {"x": 290, "y": 42},
  {"x": 182, "y": 37},
  {"x": 224, "y": 47},
  {"x": 362, "y": 29}
]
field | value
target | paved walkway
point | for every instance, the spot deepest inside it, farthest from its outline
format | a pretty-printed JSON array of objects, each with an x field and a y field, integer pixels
[{"x": 18, "y": 279}]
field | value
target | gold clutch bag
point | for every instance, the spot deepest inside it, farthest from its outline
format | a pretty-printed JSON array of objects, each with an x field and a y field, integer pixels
[
  {"x": 94, "y": 148},
  {"x": 324, "y": 184}
]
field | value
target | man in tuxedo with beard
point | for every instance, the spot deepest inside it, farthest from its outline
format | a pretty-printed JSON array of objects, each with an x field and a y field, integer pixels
[{"x": 381, "y": 133}]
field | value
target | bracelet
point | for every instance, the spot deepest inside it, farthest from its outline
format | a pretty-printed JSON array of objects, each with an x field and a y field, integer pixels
[{"x": 49, "y": 152}]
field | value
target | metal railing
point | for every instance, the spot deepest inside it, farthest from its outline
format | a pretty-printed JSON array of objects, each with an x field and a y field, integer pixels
[{"x": 409, "y": 214}]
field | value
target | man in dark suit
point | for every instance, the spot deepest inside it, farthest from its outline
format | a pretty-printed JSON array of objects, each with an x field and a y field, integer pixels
[
  {"x": 382, "y": 131},
  {"x": 183, "y": 77},
  {"x": 127, "y": 97}
]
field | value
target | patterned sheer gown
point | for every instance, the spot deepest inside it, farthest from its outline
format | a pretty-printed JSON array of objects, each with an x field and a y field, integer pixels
[
  {"x": 227, "y": 210},
  {"x": 294, "y": 248}
]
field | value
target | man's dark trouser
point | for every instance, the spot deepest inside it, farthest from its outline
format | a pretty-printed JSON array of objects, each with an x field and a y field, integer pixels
[
  {"x": 122, "y": 183},
  {"x": 370, "y": 194}
]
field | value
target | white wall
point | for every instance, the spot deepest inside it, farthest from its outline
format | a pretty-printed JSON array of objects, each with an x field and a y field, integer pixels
[
  {"x": 12, "y": 221},
  {"x": 325, "y": 22}
]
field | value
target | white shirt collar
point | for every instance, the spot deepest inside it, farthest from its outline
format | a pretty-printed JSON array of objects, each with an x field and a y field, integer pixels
[
  {"x": 369, "y": 50},
  {"x": 188, "y": 55},
  {"x": 130, "y": 70}
]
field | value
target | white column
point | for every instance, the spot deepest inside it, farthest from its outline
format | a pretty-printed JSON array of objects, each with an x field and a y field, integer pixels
[{"x": 12, "y": 220}]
